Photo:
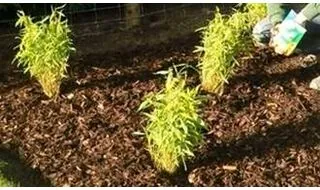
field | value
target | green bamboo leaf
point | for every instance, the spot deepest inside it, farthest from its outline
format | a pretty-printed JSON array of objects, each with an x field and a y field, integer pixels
[
  {"x": 171, "y": 139},
  {"x": 222, "y": 40},
  {"x": 44, "y": 49},
  {"x": 143, "y": 105},
  {"x": 161, "y": 73}
]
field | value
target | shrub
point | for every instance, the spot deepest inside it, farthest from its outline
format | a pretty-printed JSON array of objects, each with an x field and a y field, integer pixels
[
  {"x": 223, "y": 40},
  {"x": 174, "y": 126},
  {"x": 44, "y": 49}
]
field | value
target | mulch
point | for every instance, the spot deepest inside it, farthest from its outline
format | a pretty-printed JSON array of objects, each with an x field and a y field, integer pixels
[{"x": 263, "y": 131}]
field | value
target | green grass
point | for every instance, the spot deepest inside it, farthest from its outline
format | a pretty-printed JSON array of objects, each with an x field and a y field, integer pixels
[
  {"x": 223, "y": 39},
  {"x": 173, "y": 125},
  {"x": 44, "y": 49}
]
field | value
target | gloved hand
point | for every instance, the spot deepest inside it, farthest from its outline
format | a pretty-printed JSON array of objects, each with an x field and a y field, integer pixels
[
  {"x": 315, "y": 83},
  {"x": 284, "y": 28},
  {"x": 300, "y": 19},
  {"x": 274, "y": 31}
]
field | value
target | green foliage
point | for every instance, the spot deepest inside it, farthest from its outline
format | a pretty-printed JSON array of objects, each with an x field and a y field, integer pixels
[
  {"x": 255, "y": 12},
  {"x": 44, "y": 49},
  {"x": 223, "y": 40},
  {"x": 174, "y": 126},
  {"x": 5, "y": 181}
]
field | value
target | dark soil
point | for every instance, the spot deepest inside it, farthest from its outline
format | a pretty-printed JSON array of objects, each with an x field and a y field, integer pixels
[{"x": 263, "y": 131}]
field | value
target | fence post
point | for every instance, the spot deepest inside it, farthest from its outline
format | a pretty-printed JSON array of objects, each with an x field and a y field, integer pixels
[
  {"x": 96, "y": 16},
  {"x": 120, "y": 11},
  {"x": 132, "y": 15},
  {"x": 165, "y": 11}
]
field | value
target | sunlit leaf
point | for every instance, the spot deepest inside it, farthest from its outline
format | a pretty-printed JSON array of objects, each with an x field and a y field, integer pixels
[{"x": 44, "y": 49}]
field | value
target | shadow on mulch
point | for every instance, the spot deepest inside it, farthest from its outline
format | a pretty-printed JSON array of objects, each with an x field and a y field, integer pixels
[
  {"x": 127, "y": 77},
  {"x": 119, "y": 60},
  {"x": 261, "y": 77},
  {"x": 18, "y": 172},
  {"x": 125, "y": 58},
  {"x": 111, "y": 81},
  {"x": 14, "y": 86},
  {"x": 266, "y": 80},
  {"x": 280, "y": 138}
]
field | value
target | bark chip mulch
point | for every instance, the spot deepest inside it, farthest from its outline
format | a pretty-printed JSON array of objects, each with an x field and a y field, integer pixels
[{"x": 263, "y": 131}]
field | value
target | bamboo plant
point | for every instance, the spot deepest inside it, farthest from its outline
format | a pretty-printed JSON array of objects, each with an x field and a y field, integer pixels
[
  {"x": 223, "y": 40},
  {"x": 44, "y": 49},
  {"x": 173, "y": 127}
]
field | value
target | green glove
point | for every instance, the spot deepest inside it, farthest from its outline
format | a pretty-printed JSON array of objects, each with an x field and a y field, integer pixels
[{"x": 289, "y": 35}]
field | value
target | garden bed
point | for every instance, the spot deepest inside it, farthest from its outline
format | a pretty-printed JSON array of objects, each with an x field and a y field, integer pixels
[{"x": 263, "y": 131}]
